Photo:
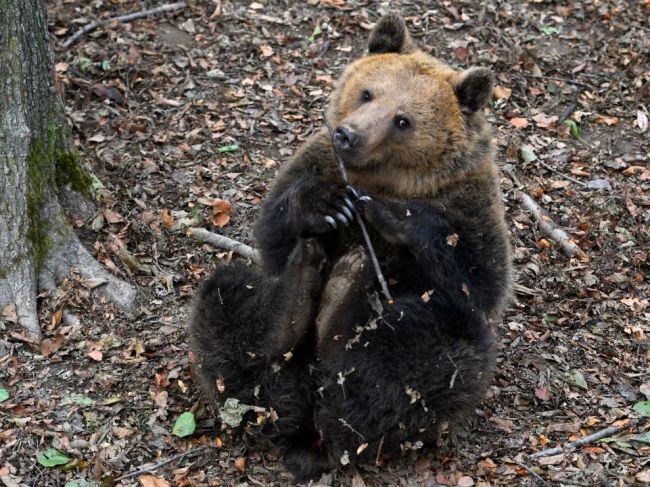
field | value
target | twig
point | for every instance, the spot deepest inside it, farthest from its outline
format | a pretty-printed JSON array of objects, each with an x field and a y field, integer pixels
[
  {"x": 552, "y": 169},
  {"x": 550, "y": 229},
  {"x": 567, "y": 113},
  {"x": 154, "y": 466},
  {"x": 557, "y": 78},
  {"x": 533, "y": 473},
  {"x": 612, "y": 430},
  {"x": 362, "y": 225},
  {"x": 123, "y": 18},
  {"x": 226, "y": 243}
]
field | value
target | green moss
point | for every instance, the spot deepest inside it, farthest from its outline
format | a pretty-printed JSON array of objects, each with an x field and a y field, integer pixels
[
  {"x": 38, "y": 183},
  {"x": 70, "y": 171},
  {"x": 49, "y": 166}
]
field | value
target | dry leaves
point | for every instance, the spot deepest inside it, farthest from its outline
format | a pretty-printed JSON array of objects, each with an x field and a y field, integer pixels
[{"x": 220, "y": 212}]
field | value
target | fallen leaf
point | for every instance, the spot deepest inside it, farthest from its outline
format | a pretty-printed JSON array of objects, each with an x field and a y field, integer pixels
[
  {"x": 97, "y": 138},
  {"x": 240, "y": 464},
  {"x": 643, "y": 476},
  {"x": 605, "y": 120},
  {"x": 543, "y": 393},
  {"x": 112, "y": 216},
  {"x": 221, "y": 212},
  {"x": 502, "y": 93},
  {"x": 465, "y": 481},
  {"x": 151, "y": 481},
  {"x": 108, "y": 92},
  {"x": 520, "y": 123},
  {"x": 167, "y": 218},
  {"x": 545, "y": 121},
  {"x": 96, "y": 355}
]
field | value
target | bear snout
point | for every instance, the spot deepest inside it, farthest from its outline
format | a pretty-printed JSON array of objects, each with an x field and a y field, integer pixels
[{"x": 345, "y": 139}]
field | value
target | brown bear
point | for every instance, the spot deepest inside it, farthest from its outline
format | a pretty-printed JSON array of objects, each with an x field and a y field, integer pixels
[{"x": 351, "y": 377}]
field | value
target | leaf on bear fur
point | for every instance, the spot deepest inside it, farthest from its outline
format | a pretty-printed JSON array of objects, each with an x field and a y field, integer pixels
[
  {"x": 452, "y": 239},
  {"x": 232, "y": 412}
]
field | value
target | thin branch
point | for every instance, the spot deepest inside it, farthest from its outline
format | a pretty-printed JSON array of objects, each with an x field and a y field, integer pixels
[
  {"x": 612, "y": 430},
  {"x": 123, "y": 18},
  {"x": 533, "y": 473},
  {"x": 552, "y": 169},
  {"x": 362, "y": 225},
  {"x": 221, "y": 242},
  {"x": 557, "y": 78},
  {"x": 550, "y": 228},
  {"x": 154, "y": 466}
]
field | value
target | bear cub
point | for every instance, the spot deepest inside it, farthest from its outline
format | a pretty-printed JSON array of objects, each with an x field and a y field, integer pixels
[{"x": 352, "y": 378}]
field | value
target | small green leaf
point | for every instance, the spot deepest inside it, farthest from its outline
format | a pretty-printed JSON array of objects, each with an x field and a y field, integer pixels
[
  {"x": 96, "y": 183},
  {"x": 315, "y": 34},
  {"x": 77, "y": 399},
  {"x": 550, "y": 30},
  {"x": 185, "y": 425},
  {"x": 232, "y": 413},
  {"x": 640, "y": 438},
  {"x": 228, "y": 148},
  {"x": 550, "y": 317},
  {"x": 106, "y": 65},
  {"x": 83, "y": 64},
  {"x": 111, "y": 400},
  {"x": 4, "y": 394},
  {"x": 52, "y": 457},
  {"x": 527, "y": 154},
  {"x": 576, "y": 378},
  {"x": 643, "y": 408},
  {"x": 574, "y": 130}
]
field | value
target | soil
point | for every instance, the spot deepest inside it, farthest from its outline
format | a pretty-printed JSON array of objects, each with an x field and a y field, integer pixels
[{"x": 184, "y": 118}]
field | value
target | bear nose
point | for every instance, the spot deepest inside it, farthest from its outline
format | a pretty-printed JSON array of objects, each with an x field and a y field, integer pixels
[{"x": 345, "y": 139}]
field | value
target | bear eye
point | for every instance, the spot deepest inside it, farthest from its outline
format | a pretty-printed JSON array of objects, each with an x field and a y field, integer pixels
[
  {"x": 366, "y": 96},
  {"x": 402, "y": 123}
]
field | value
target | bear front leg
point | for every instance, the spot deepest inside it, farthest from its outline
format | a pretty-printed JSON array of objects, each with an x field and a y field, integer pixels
[
  {"x": 411, "y": 224},
  {"x": 302, "y": 285},
  {"x": 310, "y": 206}
]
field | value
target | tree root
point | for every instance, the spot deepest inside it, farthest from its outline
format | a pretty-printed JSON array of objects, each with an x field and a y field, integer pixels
[
  {"x": 69, "y": 254},
  {"x": 551, "y": 230},
  {"x": 221, "y": 242},
  {"x": 19, "y": 287}
]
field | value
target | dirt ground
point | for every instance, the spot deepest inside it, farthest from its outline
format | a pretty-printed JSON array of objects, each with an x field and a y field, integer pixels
[{"x": 176, "y": 111}]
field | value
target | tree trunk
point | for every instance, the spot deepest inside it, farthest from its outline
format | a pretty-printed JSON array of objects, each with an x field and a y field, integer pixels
[{"x": 36, "y": 159}]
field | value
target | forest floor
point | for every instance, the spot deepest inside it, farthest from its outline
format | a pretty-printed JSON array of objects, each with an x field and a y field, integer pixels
[{"x": 185, "y": 119}]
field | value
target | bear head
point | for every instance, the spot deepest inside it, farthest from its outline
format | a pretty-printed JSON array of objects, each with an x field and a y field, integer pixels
[{"x": 402, "y": 117}]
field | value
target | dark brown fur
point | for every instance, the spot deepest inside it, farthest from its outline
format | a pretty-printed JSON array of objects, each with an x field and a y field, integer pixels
[{"x": 357, "y": 377}]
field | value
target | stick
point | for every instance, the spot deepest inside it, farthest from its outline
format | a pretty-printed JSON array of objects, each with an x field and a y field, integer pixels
[
  {"x": 612, "y": 430},
  {"x": 557, "y": 78},
  {"x": 533, "y": 473},
  {"x": 123, "y": 18},
  {"x": 362, "y": 225},
  {"x": 154, "y": 466},
  {"x": 552, "y": 169},
  {"x": 550, "y": 229},
  {"x": 226, "y": 243}
]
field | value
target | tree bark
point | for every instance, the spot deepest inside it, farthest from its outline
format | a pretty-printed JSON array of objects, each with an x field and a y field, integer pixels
[{"x": 36, "y": 158}]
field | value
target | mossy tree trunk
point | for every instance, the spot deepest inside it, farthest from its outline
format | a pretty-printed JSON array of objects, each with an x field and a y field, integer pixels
[{"x": 37, "y": 244}]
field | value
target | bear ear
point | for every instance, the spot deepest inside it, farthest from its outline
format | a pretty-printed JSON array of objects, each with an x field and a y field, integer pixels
[
  {"x": 390, "y": 35},
  {"x": 474, "y": 88}
]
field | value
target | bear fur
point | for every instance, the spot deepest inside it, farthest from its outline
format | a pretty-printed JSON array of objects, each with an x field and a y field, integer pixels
[{"x": 350, "y": 377}]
